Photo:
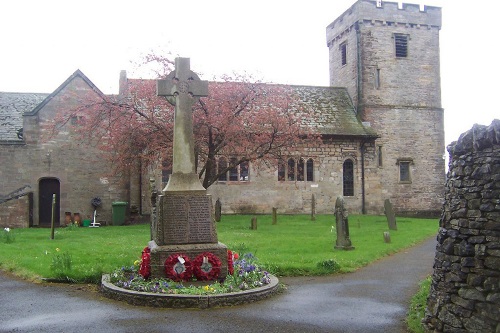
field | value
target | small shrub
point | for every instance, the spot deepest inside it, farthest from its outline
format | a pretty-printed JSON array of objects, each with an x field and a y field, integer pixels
[
  {"x": 8, "y": 236},
  {"x": 329, "y": 266},
  {"x": 61, "y": 263}
]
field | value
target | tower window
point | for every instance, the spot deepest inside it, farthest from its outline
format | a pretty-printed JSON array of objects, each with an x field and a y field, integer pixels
[
  {"x": 380, "y": 160},
  {"x": 404, "y": 170},
  {"x": 401, "y": 45},
  {"x": 343, "y": 53},
  {"x": 377, "y": 78}
]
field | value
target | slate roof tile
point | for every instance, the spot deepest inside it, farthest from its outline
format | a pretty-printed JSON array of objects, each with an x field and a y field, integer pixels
[{"x": 12, "y": 107}]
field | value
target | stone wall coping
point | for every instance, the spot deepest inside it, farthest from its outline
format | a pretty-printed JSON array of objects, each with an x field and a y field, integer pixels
[{"x": 478, "y": 137}]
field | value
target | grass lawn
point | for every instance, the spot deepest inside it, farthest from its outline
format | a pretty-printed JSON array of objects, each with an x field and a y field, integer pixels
[{"x": 294, "y": 246}]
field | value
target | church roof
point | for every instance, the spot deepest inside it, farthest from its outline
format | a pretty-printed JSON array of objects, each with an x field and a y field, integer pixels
[
  {"x": 12, "y": 107},
  {"x": 333, "y": 111}
]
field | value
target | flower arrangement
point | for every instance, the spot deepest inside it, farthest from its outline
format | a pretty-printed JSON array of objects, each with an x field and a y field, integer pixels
[
  {"x": 145, "y": 263},
  {"x": 206, "y": 267},
  {"x": 246, "y": 274},
  {"x": 178, "y": 267}
]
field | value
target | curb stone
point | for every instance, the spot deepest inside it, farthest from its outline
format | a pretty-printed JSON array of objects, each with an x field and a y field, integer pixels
[{"x": 188, "y": 301}]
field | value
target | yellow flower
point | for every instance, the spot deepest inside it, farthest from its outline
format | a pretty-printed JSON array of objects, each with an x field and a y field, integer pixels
[
  {"x": 205, "y": 288},
  {"x": 137, "y": 263},
  {"x": 57, "y": 249}
]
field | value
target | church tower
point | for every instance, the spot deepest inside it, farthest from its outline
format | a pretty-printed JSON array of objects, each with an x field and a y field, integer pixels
[{"x": 387, "y": 55}]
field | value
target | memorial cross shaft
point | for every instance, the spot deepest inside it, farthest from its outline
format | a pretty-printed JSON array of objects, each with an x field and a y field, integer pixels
[{"x": 182, "y": 88}]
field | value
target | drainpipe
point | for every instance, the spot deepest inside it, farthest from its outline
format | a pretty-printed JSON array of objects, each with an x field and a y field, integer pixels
[
  {"x": 358, "y": 68},
  {"x": 363, "y": 199}
]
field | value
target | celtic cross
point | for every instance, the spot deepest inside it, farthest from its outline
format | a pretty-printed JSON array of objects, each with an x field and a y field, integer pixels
[{"x": 182, "y": 87}]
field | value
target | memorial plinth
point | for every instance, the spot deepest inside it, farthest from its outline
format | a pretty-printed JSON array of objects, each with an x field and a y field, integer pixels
[{"x": 185, "y": 223}]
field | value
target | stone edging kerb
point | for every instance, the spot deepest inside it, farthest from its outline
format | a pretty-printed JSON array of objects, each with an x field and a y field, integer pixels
[{"x": 187, "y": 301}]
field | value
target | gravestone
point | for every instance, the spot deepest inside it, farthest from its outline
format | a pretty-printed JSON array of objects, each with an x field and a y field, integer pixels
[
  {"x": 253, "y": 225},
  {"x": 185, "y": 224},
  {"x": 154, "y": 199},
  {"x": 387, "y": 237},
  {"x": 389, "y": 214},
  {"x": 342, "y": 223},
  {"x": 313, "y": 208},
  {"x": 218, "y": 210}
]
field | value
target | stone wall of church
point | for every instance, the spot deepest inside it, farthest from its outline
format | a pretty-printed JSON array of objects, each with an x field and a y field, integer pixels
[
  {"x": 465, "y": 290},
  {"x": 264, "y": 191},
  {"x": 82, "y": 173}
]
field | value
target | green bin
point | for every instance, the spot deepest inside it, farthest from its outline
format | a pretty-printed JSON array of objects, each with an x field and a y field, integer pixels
[{"x": 119, "y": 209}]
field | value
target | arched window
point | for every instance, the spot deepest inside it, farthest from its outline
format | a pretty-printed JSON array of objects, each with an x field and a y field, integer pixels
[
  {"x": 310, "y": 170},
  {"x": 348, "y": 178},
  {"x": 300, "y": 170},
  {"x": 233, "y": 172},
  {"x": 281, "y": 170},
  {"x": 222, "y": 165},
  {"x": 291, "y": 169},
  {"x": 244, "y": 171}
]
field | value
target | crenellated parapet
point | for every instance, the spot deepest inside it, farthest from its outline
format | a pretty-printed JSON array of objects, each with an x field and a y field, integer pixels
[{"x": 368, "y": 12}]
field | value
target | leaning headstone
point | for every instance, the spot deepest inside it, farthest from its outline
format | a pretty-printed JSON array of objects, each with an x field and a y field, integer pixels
[
  {"x": 218, "y": 210},
  {"x": 389, "y": 214},
  {"x": 275, "y": 215},
  {"x": 313, "y": 208},
  {"x": 253, "y": 226},
  {"x": 154, "y": 199},
  {"x": 342, "y": 223},
  {"x": 185, "y": 227}
]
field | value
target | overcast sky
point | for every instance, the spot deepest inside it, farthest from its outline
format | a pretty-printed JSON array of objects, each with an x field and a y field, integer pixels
[{"x": 281, "y": 41}]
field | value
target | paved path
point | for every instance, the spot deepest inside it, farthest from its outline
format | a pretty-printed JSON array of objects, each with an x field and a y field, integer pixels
[{"x": 372, "y": 299}]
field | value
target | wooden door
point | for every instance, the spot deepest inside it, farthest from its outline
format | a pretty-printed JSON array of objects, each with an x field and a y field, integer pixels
[{"x": 48, "y": 187}]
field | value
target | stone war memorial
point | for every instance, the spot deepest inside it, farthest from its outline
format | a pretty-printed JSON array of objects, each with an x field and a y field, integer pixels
[
  {"x": 184, "y": 237},
  {"x": 465, "y": 290}
]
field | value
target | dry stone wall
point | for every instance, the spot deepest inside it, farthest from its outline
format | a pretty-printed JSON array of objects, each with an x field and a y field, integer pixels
[{"x": 465, "y": 290}]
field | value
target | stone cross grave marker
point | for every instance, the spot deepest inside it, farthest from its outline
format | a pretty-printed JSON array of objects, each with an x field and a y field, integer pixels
[
  {"x": 342, "y": 223},
  {"x": 185, "y": 223},
  {"x": 182, "y": 87},
  {"x": 389, "y": 214}
]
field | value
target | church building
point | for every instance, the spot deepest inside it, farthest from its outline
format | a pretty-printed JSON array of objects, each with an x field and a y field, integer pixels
[{"x": 380, "y": 120}]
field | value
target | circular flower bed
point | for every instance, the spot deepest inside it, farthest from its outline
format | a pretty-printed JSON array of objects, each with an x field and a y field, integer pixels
[
  {"x": 244, "y": 274},
  {"x": 206, "y": 267}
]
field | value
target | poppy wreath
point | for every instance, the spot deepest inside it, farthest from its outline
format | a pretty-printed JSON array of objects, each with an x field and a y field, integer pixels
[
  {"x": 145, "y": 268},
  {"x": 230, "y": 263},
  {"x": 206, "y": 266},
  {"x": 178, "y": 267}
]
